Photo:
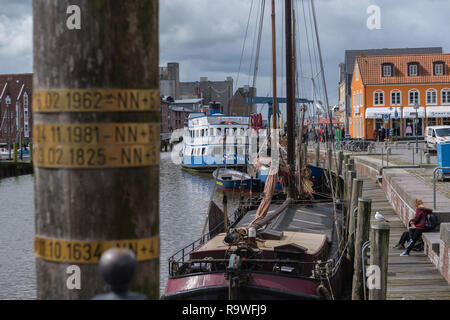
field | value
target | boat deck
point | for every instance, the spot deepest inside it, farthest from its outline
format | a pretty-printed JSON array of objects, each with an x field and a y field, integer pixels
[
  {"x": 315, "y": 218},
  {"x": 310, "y": 241}
]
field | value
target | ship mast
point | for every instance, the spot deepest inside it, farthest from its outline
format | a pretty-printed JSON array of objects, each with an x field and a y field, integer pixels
[
  {"x": 290, "y": 96},
  {"x": 274, "y": 69}
]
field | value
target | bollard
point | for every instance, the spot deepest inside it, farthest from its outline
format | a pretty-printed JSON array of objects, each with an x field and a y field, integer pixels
[
  {"x": 351, "y": 216},
  {"x": 361, "y": 236},
  {"x": 117, "y": 267},
  {"x": 379, "y": 254},
  {"x": 427, "y": 158}
]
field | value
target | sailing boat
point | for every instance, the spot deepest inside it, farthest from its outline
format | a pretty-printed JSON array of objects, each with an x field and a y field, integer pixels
[{"x": 283, "y": 246}]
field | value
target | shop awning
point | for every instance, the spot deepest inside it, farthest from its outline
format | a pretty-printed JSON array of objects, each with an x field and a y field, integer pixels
[
  {"x": 438, "y": 112},
  {"x": 378, "y": 113},
  {"x": 410, "y": 112}
]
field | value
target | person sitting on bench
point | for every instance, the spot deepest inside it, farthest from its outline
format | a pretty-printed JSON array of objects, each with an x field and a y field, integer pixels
[{"x": 417, "y": 225}]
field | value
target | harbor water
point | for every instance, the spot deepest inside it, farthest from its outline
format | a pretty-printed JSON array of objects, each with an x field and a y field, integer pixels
[{"x": 184, "y": 199}]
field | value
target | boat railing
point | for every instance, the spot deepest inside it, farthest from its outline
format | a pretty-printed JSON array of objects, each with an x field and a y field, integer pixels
[{"x": 319, "y": 270}]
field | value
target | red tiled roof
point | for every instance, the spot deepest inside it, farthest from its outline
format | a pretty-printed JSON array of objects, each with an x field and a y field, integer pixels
[{"x": 370, "y": 68}]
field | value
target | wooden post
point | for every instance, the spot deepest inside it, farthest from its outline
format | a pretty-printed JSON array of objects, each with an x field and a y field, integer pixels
[
  {"x": 351, "y": 219},
  {"x": 96, "y": 119},
  {"x": 346, "y": 158},
  {"x": 31, "y": 152},
  {"x": 362, "y": 235},
  {"x": 317, "y": 154},
  {"x": 225, "y": 211},
  {"x": 379, "y": 253},
  {"x": 15, "y": 152},
  {"x": 339, "y": 173}
]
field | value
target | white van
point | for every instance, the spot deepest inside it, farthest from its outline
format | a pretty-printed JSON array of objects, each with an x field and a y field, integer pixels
[{"x": 437, "y": 134}]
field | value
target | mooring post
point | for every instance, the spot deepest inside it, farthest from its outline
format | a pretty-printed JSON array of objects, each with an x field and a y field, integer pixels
[
  {"x": 225, "y": 211},
  {"x": 15, "y": 152},
  {"x": 96, "y": 136},
  {"x": 317, "y": 154},
  {"x": 31, "y": 152},
  {"x": 346, "y": 158},
  {"x": 339, "y": 173},
  {"x": 348, "y": 192},
  {"x": 357, "y": 188},
  {"x": 362, "y": 235},
  {"x": 379, "y": 253}
]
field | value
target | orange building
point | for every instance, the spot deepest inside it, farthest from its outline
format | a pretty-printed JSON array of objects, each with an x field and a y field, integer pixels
[{"x": 386, "y": 89}]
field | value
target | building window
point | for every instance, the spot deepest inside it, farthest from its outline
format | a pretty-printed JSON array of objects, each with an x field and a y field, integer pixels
[
  {"x": 378, "y": 98},
  {"x": 431, "y": 96},
  {"x": 387, "y": 70},
  {"x": 445, "y": 94},
  {"x": 356, "y": 73},
  {"x": 413, "y": 97},
  {"x": 438, "y": 68},
  {"x": 396, "y": 98},
  {"x": 413, "y": 69}
]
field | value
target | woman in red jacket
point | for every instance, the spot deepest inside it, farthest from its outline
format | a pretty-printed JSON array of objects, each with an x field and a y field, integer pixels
[{"x": 417, "y": 225}]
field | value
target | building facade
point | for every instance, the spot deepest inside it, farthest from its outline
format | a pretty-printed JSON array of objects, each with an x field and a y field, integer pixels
[
  {"x": 402, "y": 93},
  {"x": 209, "y": 91},
  {"x": 16, "y": 108},
  {"x": 346, "y": 71}
]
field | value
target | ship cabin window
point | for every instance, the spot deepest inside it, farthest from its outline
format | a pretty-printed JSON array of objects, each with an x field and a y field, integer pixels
[
  {"x": 241, "y": 131},
  {"x": 203, "y": 132},
  {"x": 234, "y": 131},
  {"x": 218, "y": 132},
  {"x": 203, "y": 151}
]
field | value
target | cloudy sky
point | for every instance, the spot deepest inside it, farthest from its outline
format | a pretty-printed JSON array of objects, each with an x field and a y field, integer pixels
[{"x": 207, "y": 36}]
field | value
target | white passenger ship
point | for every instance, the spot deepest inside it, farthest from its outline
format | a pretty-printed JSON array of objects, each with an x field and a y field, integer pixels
[{"x": 215, "y": 140}]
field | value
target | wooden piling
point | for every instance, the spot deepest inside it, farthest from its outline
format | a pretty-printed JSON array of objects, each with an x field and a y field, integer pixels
[
  {"x": 379, "y": 252},
  {"x": 96, "y": 138},
  {"x": 15, "y": 152},
  {"x": 317, "y": 158},
  {"x": 357, "y": 188},
  {"x": 339, "y": 173},
  {"x": 362, "y": 235}
]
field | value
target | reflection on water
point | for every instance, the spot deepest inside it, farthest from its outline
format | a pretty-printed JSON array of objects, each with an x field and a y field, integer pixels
[{"x": 184, "y": 199}]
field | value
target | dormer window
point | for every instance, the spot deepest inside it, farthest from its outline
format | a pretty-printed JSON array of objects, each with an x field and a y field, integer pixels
[
  {"x": 387, "y": 70},
  {"x": 438, "y": 68},
  {"x": 413, "y": 69}
]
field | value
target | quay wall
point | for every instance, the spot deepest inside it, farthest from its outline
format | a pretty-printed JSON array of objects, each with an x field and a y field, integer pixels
[{"x": 11, "y": 169}]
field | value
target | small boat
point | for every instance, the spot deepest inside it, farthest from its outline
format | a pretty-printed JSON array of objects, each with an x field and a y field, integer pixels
[
  {"x": 233, "y": 180},
  {"x": 262, "y": 175}
]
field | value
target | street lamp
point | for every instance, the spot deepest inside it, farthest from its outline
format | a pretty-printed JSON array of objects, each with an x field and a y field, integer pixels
[{"x": 416, "y": 107}]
